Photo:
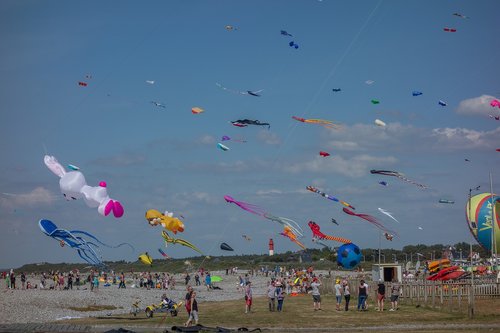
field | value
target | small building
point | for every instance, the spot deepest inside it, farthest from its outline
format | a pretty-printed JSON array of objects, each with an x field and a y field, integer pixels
[{"x": 387, "y": 272}]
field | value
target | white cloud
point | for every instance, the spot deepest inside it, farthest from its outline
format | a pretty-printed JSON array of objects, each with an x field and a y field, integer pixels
[
  {"x": 462, "y": 138},
  {"x": 476, "y": 106},
  {"x": 207, "y": 140},
  {"x": 39, "y": 196}
]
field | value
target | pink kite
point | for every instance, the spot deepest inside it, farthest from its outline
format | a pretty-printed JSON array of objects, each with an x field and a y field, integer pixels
[
  {"x": 450, "y": 29},
  {"x": 495, "y": 102},
  {"x": 246, "y": 206},
  {"x": 82, "y": 84},
  {"x": 368, "y": 218}
]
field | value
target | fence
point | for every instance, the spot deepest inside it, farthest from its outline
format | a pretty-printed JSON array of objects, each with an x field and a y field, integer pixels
[{"x": 446, "y": 295}]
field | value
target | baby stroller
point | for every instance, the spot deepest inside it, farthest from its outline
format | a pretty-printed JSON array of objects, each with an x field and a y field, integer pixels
[{"x": 167, "y": 306}]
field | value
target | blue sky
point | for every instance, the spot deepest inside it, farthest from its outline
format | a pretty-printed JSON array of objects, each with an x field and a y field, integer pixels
[{"x": 167, "y": 159}]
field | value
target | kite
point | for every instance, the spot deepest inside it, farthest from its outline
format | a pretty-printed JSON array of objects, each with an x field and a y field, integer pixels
[
  {"x": 158, "y": 104},
  {"x": 163, "y": 253},
  {"x": 293, "y": 44},
  {"x": 388, "y": 236},
  {"x": 335, "y": 221},
  {"x": 467, "y": 160},
  {"x": 315, "y": 190},
  {"x": 324, "y": 153},
  {"x": 495, "y": 103},
  {"x": 167, "y": 220},
  {"x": 88, "y": 250},
  {"x": 498, "y": 149},
  {"x": 284, "y": 33},
  {"x": 227, "y": 138},
  {"x": 246, "y": 206},
  {"x": 150, "y": 82},
  {"x": 82, "y": 84},
  {"x": 383, "y": 183},
  {"x": 246, "y": 237},
  {"x": 226, "y": 247},
  {"x": 319, "y": 235},
  {"x": 369, "y": 82},
  {"x": 221, "y": 146},
  {"x": 420, "y": 228},
  {"x": 494, "y": 117},
  {"x": 146, "y": 259},
  {"x": 461, "y": 16},
  {"x": 366, "y": 217},
  {"x": 324, "y": 123},
  {"x": 416, "y": 93},
  {"x": 375, "y": 101},
  {"x": 398, "y": 175},
  {"x": 197, "y": 110},
  {"x": 336, "y": 90},
  {"x": 380, "y": 123},
  {"x": 170, "y": 239},
  {"x": 246, "y": 92},
  {"x": 316, "y": 240},
  {"x": 383, "y": 211},
  {"x": 445, "y": 201},
  {"x": 294, "y": 226},
  {"x": 450, "y": 29},
  {"x": 73, "y": 167},
  {"x": 246, "y": 122},
  {"x": 287, "y": 232},
  {"x": 442, "y": 103},
  {"x": 73, "y": 186},
  {"x": 230, "y": 28}
]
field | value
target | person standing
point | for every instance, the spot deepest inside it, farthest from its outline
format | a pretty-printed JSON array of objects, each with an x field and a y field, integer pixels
[
  {"x": 338, "y": 294},
  {"x": 315, "y": 294},
  {"x": 193, "y": 315},
  {"x": 380, "y": 295},
  {"x": 70, "y": 281},
  {"x": 12, "y": 280},
  {"x": 248, "y": 297},
  {"x": 208, "y": 281},
  {"x": 271, "y": 295},
  {"x": 365, "y": 306},
  {"x": 122, "y": 281},
  {"x": 187, "y": 302},
  {"x": 361, "y": 295},
  {"x": 23, "y": 280},
  {"x": 347, "y": 294},
  {"x": 280, "y": 296},
  {"x": 395, "y": 290}
]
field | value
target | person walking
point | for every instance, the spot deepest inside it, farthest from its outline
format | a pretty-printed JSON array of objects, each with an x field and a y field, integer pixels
[
  {"x": 122, "y": 281},
  {"x": 316, "y": 294},
  {"x": 361, "y": 295},
  {"x": 380, "y": 295},
  {"x": 193, "y": 315}
]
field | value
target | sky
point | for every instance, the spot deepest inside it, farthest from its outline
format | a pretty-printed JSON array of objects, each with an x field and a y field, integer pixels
[{"x": 167, "y": 158}]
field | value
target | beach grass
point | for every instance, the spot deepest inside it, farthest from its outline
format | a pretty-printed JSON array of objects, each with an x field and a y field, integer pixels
[{"x": 298, "y": 313}]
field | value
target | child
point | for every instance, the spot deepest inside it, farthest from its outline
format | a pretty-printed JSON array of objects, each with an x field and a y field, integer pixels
[{"x": 280, "y": 296}]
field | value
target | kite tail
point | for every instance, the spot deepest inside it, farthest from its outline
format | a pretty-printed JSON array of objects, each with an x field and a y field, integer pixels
[
  {"x": 412, "y": 182},
  {"x": 338, "y": 239},
  {"x": 101, "y": 243},
  {"x": 368, "y": 218}
]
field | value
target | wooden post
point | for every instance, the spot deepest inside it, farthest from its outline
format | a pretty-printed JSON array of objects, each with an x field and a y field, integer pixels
[
  {"x": 433, "y": 294},
  {"x": 459, "y": 296}
]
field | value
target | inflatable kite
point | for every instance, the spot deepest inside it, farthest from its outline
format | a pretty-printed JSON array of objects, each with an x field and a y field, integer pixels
[
  {"x": 73, "y": 167},
  {"x": 293, "y": 44},
  {"x": 246, "y": 92},
  {"x": 321, "y": 122},
  {"x": 445, "y": 201},
  {"x": 375, "y": 101},
  {"x": 150, "y": 82},
  {"x": 167, "y": 220},
  {"x": 348, "y": 256},
  {"x": 398, "y": 175},
  {"x": 73, "y": 186},
  {"x": 286, "y": 222},
  {"x": 197, "y": 110},
  {"x": 442, "y": 103},
  {"x": 323, "y": 194},
  {"x": 226, "y": 247},
  {"x": 483, "y": 214},
  {"x": 82, "y": 84},
  {"x": 416, "y": 93},
  {"x": 383, "y": 211},
  {"x": 383, "y": 183},
  {"x": 146, "y": 259},
  {"x": 284, "y": 33},
  {"x": 319, "y": 235},
  {"x": 87, "y": 247},
  {"x": 170, "y": 239},
  {"x": 246, "y": 122},
  {"x": 388, "y": 236},
  {"x": 368, "y": 218},
  {"x": 287, "y": 232},
  {"x": 336, "y": 90},
  {"x": 495, "y": 103},
  {"x": 380, "y": 123},
  {"x": 449, "y": 29},
  {"x": 254, "y": 209}
]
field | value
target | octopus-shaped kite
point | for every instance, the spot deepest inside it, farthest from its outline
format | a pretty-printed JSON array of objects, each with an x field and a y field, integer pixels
[
  {"x": 319, "y": 235},
  {"x": 167, "y": 220},
  {"x": 288, "y": 232}
]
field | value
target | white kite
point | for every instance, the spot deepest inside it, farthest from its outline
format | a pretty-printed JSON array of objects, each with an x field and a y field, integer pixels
[{"x": 383, "y": 211}]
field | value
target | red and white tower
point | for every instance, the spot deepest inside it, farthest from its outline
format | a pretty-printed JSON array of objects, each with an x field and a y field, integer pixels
[{"x": 271, "y": 247}]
